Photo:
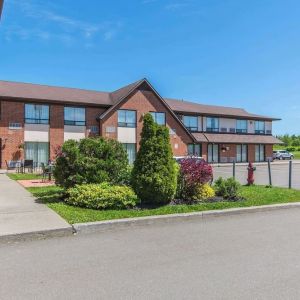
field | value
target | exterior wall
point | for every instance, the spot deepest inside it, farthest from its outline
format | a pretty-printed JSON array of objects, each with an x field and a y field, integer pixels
[
  {"x": 268, "y": 126},
  {"x": 144, "y": 102},
  {"x": 251, "y": 126},
  {"x": 56, "y": 132},
  {"x": 227, "y": 153},
  {"x": 269, "y": 152},
  {"x": 92, "y": 113},
  {"x": 36, "y": 133},
  {"x": 127, "y": 135},
  {"x": 11, "y": 138},
  {"x": 74, "y": 132}
]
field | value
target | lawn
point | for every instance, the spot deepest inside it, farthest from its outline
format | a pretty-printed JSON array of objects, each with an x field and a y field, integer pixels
[
  {"x": 254, "y": 195},
  {"x": 24, "y": 176}
]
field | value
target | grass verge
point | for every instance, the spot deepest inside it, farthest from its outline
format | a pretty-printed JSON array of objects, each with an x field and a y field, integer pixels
[
  {"x": 24, "y": 176},
  {"x": 254, "y": 195}
]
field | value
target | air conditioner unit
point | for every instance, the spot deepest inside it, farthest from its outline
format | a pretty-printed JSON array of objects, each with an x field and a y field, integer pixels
[
  {"x": 232, "y": 130},
  {"x": 223, "y": 129}
]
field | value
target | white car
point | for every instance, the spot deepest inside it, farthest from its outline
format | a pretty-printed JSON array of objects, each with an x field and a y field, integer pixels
[{"x": 282, "y": 154}]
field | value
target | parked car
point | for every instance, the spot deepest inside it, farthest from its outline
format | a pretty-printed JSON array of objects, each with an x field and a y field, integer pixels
[{"x": 282, "y": 154}]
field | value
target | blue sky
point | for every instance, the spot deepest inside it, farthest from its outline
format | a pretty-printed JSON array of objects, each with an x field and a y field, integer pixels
[{"x": 227, "y": 52}]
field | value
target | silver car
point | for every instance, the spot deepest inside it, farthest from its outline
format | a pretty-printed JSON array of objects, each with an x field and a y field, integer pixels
[{"x": 282, "y": 154}]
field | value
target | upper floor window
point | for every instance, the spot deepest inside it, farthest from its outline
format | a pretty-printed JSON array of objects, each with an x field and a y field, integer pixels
[
  {"x": 241, "y": 126},
  {"x": 212, "y": 124},
  {"x": 159, "y": 117},
  {"x": 126, "y": 118},
  {"x": 36, "y": 114},
  {"x": 74, "y": 116},
  {"x": 259, "y": 127},
  {"x": 191, "y": 123}
]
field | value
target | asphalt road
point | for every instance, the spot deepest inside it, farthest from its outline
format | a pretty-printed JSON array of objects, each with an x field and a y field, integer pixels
[
  {"x": 254, "y": 256},
  {"x": 279, "y": 171}
]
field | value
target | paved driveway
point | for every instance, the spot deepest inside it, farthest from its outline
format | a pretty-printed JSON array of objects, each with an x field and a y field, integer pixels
[
  {"x": 20, "y": 213},
  {"x": 254, "y": 256},
  {"x": 280, "y": 173}
]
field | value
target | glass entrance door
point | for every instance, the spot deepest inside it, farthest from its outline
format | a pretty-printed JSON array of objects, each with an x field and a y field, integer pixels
[{"x": 213, "y": 153}]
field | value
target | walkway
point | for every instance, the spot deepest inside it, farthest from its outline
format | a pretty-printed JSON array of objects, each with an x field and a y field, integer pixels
[{"x": 20, "y": 213}]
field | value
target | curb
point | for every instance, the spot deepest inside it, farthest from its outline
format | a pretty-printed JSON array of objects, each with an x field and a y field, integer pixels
[
  {"x": 82, "y": 228},
  {"x": 37, "y": 235}
]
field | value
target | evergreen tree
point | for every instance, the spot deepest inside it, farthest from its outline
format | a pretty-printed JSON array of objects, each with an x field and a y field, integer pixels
[{"x": 154, "y": 175}]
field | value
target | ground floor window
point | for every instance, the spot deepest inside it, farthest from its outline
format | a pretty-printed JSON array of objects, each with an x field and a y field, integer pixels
[
  {"x": 131, "y": 152},
  {"x": 38, "y": 152},
  {"x": 259, "y": 152},
  {"x": 194, "y": 149},
  {"x": 213, "y": 153},
  {"x": 241, "y": 153}
]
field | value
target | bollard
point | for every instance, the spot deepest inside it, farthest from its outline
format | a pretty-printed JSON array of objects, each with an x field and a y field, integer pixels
[
  {"x": 290, "y": 174},
  {"x": 233, "y": 170},
  {"x": 269, "y": 170}
]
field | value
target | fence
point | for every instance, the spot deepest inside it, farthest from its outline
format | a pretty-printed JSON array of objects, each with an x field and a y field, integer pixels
[{"x": 281, "y": 174}]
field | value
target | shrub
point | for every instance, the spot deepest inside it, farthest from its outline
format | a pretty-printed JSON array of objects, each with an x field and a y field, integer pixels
[
  {"x": 193, "y": 173},
  {"x": 154, "y": 176},
  {"x": 91, "y": 160},
  {"x": 203, "y": 192},
  {"x": 227, "y": 188},
  {"x": 290, "y": 149},
  {"x": 101, "y": 196}
]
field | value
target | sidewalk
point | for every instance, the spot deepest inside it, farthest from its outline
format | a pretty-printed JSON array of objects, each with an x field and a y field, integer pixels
[{"x": 20, "y": 214}]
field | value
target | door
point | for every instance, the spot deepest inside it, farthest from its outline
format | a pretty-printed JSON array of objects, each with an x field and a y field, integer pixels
[
  {"x": 213, "y": 153},
  {"x": 241, "y": 153}
]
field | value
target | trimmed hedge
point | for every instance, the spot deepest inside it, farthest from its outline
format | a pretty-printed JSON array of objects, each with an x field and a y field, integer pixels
[{"x": 101, "y": 196}]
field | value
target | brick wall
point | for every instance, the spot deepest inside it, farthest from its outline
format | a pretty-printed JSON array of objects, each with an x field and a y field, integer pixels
[
  {"x": 143, "y": 102},
  {"x": 11, "y": 112}
]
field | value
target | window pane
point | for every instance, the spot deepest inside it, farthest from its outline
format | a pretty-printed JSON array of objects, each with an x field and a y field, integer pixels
[
  {"x": 38, "y": 152},
  {"x": 190, "y": 149},
  {"x": 238, "y": 153},
  {"x": 159, "y": 117},
  {"x": 36, "y": 114},
  {"x": 212, "y": 124},
  {"x": 191, "y": 122},
  {"x": 131, "y": 152},
  {"x": 244, "y": 153},
  {"x": 126, "y": 118},
  {"x": 74, "y": 116}
]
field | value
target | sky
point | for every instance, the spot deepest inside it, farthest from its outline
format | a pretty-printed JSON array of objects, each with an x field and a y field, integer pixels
[{"x": 228, "y": 52}]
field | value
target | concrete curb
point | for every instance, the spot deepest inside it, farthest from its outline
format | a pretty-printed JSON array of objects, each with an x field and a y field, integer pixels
[
  {"x": 37, "y": 235},
  {"x": 161, "y": 219}
]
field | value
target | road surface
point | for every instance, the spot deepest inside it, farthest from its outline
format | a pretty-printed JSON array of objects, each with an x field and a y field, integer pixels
[{"x": 253, "y": 256}]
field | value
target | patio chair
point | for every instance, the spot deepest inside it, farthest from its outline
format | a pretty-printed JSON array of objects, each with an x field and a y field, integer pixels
[
  {"x": 28, "y": 163},
  {"x": 45, "y": 173}
]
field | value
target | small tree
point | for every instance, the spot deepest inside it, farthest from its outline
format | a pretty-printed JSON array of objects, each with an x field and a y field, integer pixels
[
  {"x": 154, "y": 174},
  {"x": 193, "y": 173},
  {"x": 91, "y": 160}
]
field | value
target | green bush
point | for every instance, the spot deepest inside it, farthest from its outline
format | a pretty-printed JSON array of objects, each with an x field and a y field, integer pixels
[
  {"x": 227, "y": 188},
  {"x": 290, "y": 149},
  {"x": 91, "y": 160},
  {"x": 154, "y": 174},
  {"x": 203, "y": 192},
  {"x": 101, "y": 196}
]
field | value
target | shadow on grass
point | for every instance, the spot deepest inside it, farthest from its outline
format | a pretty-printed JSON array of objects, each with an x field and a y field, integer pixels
[{"x": 47, "y": 195}]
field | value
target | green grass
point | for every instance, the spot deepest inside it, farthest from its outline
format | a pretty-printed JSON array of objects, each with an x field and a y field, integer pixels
[
  {"x": 254, "y": 195},
  {"x": 25, "y": 176}
]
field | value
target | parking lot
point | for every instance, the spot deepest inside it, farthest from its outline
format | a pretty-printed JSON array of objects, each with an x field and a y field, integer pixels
[{"x": 279, "y": 171}]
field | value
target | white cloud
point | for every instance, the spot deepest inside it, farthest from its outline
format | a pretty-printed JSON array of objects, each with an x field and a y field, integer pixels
[{"x": 56, "y": 25}]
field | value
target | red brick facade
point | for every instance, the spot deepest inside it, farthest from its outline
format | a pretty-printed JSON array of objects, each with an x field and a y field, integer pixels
[{"x": 142, "y": 101}]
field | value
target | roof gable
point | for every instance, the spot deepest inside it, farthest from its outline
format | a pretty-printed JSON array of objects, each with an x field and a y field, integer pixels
[{"x": 123, "y": 94}]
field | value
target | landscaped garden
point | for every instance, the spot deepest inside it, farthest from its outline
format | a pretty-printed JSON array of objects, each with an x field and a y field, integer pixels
[{"x": 94, "y": 181}]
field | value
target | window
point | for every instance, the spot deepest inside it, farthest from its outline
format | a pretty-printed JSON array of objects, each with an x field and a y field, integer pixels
[
  {"x": 36, "y": 114},
  {"x": 213, "y": 153},
  {"x": 194, "y": 149},
  {"x": 75, "y": 116},
  {"x": 191, "y": 123},
  {"x": 259, "y": 127},
  {"x": 126, "y": 118},
  {"x": 131, "y": 152},
  {"x": 212, "y": 124},
  {"x": 259, "y": 153},
  {"x": 159, "y": 117},
  {"x": 241, "y": 153},
  {"x": 94, "y": 129},
  {"x": 38, "y": 152},
  {"x": 241, "y": 126}
]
